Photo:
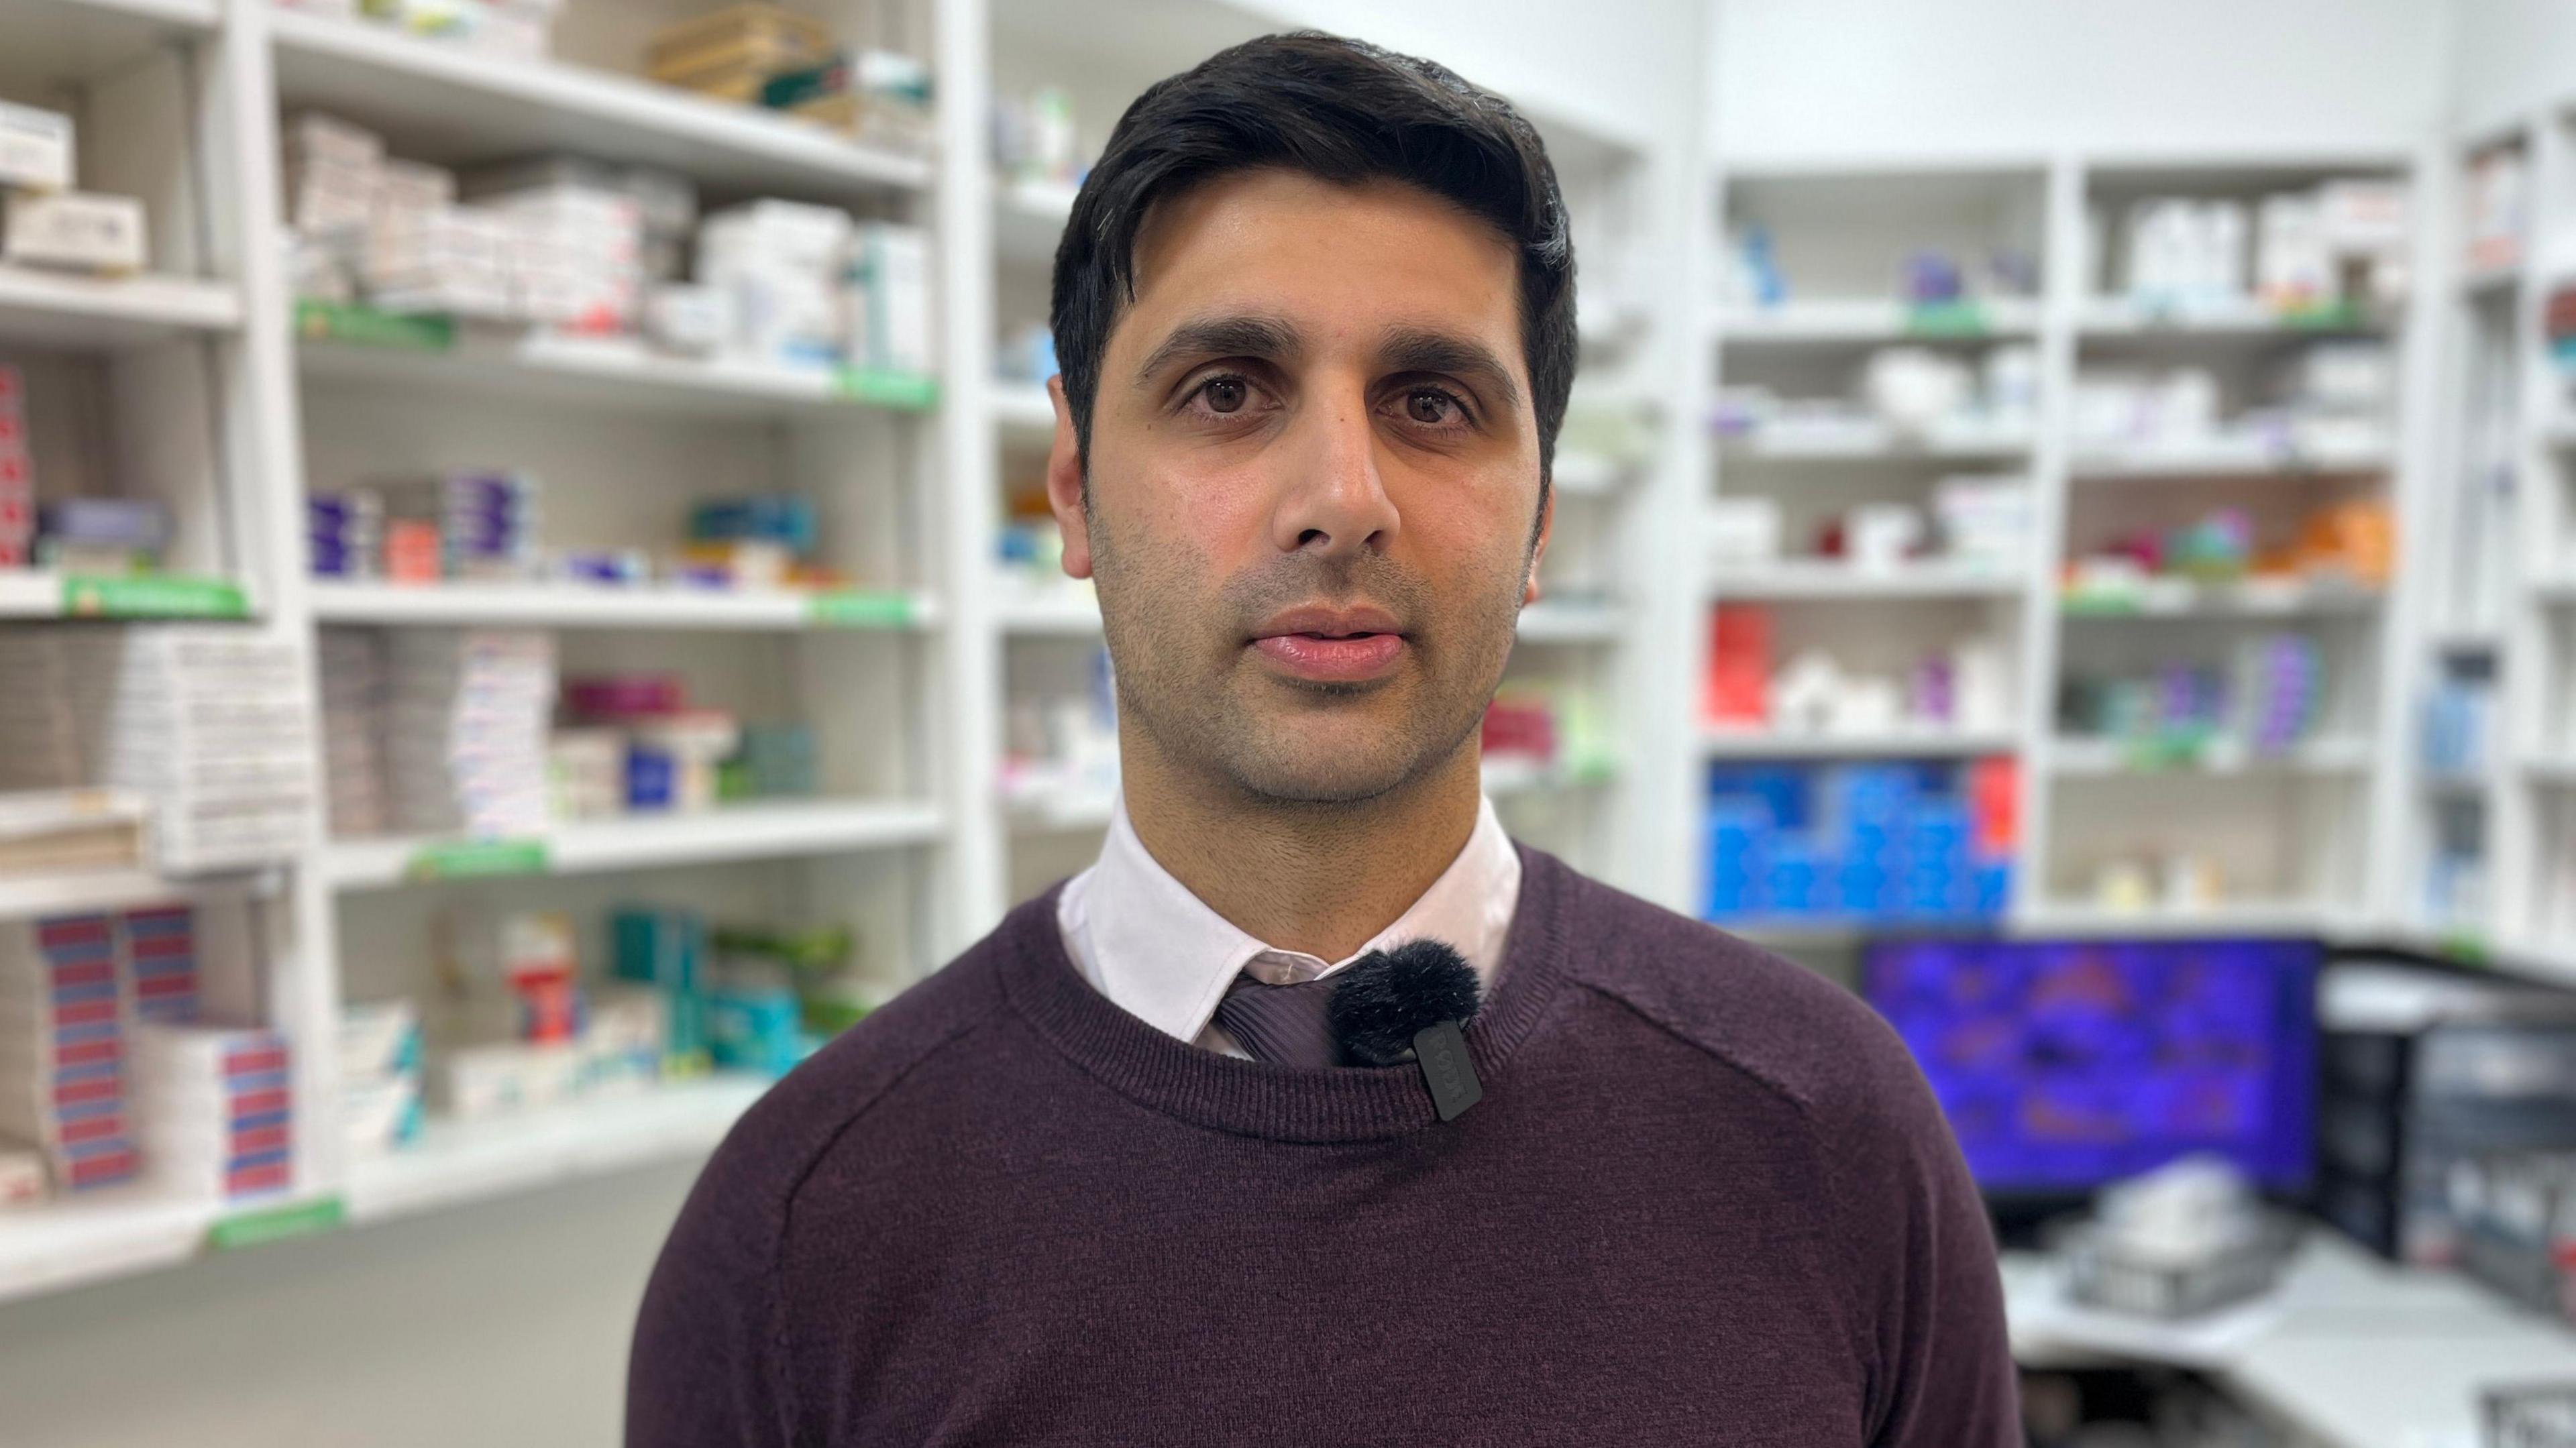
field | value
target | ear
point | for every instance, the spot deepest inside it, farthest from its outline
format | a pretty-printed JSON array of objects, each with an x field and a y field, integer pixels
[
  {"x": 1538, "y": 550},
  {"x": 1064, "y": 485}
]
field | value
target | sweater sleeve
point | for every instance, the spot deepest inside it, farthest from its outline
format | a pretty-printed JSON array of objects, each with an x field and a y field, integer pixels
[
  {"x": 701, "y": 1371},
  {"x": 1928, "y": 1292}
]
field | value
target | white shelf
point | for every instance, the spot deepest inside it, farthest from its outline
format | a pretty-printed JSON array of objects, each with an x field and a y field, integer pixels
[
  {"x": 1828, "y": 579},
  {"x": 1863, "y": 321},
  {"x": 1056, "y": 613},
  {"x": 2116, "y": 317},
  {"x": 1028, "y": 219},
  {"x": 1023, "y": 407},
  {"x": 1546, "y": 622},
  {"x": 1718, "y": 743},
  {"x": 613, "y": 375},
  {"x": 642, "y": 842},
  {"x": 2551, "y": 769},
  {"x": 575, "y": 605},
  {"x": 23, "y": 896},
  {"x": 456, "y": 1162},
  {"x": 1044, "y": 807},
  {"x": 1880, "y": 445},
  {"x": 2259, "y": 599},
  {"x": 2486, "y": 281},
  {"x": 96, "y": 1236},
  {"x": 448, "y": 104},
  {"x": 1576, "y": 474},
  {"x": 2236, "y": 917},
  {"x": 2114, "y": 758},
  {"x": 1507, "y": 777},
  {"x": 30, "y": 593},
  {"x": 58, "y": 309},
  {"x": 2232, "y": 458}
]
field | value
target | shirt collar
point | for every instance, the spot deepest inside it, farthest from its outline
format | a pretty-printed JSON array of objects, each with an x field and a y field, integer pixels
[{"x": 1159, "y": 953}]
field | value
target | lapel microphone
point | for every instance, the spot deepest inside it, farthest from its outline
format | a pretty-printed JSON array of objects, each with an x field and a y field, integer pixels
[{"x": 1409, "y": 1004}]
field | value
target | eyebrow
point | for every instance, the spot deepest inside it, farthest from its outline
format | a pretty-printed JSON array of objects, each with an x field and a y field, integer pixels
[
  {"x": 1414, "y": 349},
  {"x": 1273, "y": 339}
]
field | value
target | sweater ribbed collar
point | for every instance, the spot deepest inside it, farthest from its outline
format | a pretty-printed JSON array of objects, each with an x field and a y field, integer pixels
[{"x": 1259, "y": 1098}]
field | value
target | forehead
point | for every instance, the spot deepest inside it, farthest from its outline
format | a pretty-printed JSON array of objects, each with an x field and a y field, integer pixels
[{"x": 1345, "y": 260}]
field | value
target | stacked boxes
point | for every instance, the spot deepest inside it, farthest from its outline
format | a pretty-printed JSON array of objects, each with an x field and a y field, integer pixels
[
  {"x": 17, "y": 473},
  {"x": 466, "y": 740},
  {"x": 889, "y": 298},
  {"x": 578, "y": 248},
  {"x": 512, "y": 29},
  {"x": 487, "y": 523},
  {"x": 380, "y": 1076},
  {"x": 212, "y": 726},
  {"x": 207, "y": 724},
  {"x": 215, "y": 1106},
  {"x": 733, "y": 53},
  {"x": 47, "y": 222},
  {"x": 780, "y": 266},
  {"x": 62, "y": 1048},
  {"x": 160, "y": 949},
  {"x": 354, "y": 694},
  {"x": 1863, "y": 841},
  {"x": 345, "y": 533}
]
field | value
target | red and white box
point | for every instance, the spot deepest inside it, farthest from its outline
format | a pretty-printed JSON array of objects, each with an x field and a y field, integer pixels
[{"x": 63, "y": 1082}]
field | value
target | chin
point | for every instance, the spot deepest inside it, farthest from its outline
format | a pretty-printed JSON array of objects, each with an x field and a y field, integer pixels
[{"x": 1348, "y": 768}]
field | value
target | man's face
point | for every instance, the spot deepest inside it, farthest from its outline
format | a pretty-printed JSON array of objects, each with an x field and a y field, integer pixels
[{"x": 1313, "y": 511}]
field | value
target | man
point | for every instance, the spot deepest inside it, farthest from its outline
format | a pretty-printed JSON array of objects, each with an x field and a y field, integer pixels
[{"x": 1315, "y": 311}]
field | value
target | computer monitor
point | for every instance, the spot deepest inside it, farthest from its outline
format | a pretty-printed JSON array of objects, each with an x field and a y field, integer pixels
[{"x": 2064, "y": 1065}]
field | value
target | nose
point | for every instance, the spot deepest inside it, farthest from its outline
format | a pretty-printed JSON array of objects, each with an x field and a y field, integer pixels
[{"x": 1333, "y": 502}]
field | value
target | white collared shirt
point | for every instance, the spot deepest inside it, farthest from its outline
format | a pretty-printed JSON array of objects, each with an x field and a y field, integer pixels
[{"x": 1160, "y": 954}]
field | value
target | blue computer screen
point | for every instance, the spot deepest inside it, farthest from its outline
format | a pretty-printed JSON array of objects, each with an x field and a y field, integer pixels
[{"x": 2063, "y": 1065}]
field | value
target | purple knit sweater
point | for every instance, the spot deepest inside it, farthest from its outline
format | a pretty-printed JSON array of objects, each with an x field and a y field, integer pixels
[{"x": 1707, "y": 1199}]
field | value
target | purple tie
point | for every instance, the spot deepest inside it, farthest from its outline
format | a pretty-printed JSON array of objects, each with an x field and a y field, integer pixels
[{"x": 1285, "y": 1024}]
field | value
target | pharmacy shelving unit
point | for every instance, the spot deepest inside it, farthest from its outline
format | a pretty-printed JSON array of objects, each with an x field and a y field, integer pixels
[
  {"x": 1840, "y": 234},
  {"x": 2299, "y": 843},
  {"x": 2305, "y": 841},
  {"x": 203, "y": 383},
  {"x": 2510, "y": 549},
  {"x": 156, "y": 386},
  {"x": 1582, "y": 640}
]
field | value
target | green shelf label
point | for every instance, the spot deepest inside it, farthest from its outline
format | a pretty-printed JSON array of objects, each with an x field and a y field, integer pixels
[
  {"x": 152, "y": 595},
  {"x": 477, "y": 859},
  {"x": 910, "y": 391},
  {"x": 367, "y": 327},
  {"x": 1946, "y": 319},
  {"x": 854, "y": 609},
  {"x": 2100, "y": 603},
  {"x": 2323, "y": 316},
  {"x": 2466, "y": 946},
  {"x": 275, "y": 1224}
]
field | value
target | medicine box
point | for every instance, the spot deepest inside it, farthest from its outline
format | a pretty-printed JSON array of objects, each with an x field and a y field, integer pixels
[
  {"x": 35, "y": 149},
  {"x": 75, "y": 231}
]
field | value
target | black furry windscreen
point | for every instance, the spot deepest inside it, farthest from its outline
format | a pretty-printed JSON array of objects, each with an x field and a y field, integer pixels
[{"x": 1386, "y": 996}]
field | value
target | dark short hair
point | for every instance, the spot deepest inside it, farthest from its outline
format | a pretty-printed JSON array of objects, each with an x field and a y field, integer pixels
[{"x": 1344, "y": 111}]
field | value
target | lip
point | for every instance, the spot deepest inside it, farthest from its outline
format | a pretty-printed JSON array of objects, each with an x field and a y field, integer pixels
[{"x": 1331, "y": 645}]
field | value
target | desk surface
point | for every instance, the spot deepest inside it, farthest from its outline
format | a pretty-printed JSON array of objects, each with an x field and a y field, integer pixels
[{"x": 2350, "y": 1351}]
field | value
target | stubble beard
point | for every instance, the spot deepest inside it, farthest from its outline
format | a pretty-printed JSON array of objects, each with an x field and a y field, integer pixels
[{"x": 1184, "y": 678}]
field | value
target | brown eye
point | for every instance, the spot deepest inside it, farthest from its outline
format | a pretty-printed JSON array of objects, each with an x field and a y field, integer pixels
[
  {"x": 1429, "y": 407},
  {"x": 1226, "y": 394}
]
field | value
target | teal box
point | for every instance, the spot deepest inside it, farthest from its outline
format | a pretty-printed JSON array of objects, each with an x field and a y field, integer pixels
[{"x": 755, "y": 1029}]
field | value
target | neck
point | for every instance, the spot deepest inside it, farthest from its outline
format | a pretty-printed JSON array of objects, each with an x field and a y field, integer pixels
[{"x": 1320, "y": 878}]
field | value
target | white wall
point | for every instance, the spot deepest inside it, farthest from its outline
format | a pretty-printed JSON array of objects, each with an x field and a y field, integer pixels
[
  {"x": 1630, "y": 67},
  {"x": 2509, "y": 57},
  {"x": 1871, "y": 76}
]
